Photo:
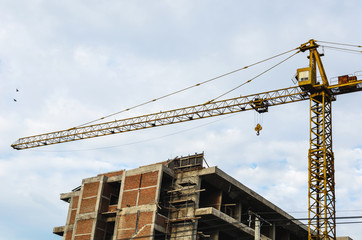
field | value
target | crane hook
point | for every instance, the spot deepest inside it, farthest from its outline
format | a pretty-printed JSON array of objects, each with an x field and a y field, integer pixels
[{"x": 258, "y": 128}]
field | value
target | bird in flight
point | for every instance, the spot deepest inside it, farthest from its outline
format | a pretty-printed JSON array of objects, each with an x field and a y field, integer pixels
[{"x": 17, "y": 90}]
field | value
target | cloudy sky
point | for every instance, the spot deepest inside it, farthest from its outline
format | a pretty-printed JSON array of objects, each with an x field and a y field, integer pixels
[{"x": 76, "y": 61}]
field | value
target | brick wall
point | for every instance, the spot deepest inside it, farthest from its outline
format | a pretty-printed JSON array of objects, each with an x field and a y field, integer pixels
[
  {"x": 72, "y": 212},
  {"x": 140, "y": 189},
  {"x": 136, "y": 219},
  {"x": 84, "y": 224},
  {"x": 86, "y": 213},
  {"x": 91, "y": 215},
  {"x": 135, "y": 225}
]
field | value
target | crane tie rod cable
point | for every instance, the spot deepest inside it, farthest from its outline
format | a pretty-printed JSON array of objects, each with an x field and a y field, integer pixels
[
  {"x": 343, "y": 44},
  {"x": 187, "y": 88},
  {"x": 342, "y": 49},
  {"x": 248, "y": 81}
]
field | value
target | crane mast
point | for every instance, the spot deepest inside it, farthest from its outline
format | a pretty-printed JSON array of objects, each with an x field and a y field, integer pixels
[
  {"x": 321, "y": 183},
  {"x": 321, "y": 180},
  {"x": 321, "y": 196}
]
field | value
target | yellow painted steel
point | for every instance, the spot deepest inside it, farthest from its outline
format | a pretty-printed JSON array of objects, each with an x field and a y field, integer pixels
[
  {"x": 258, "y": 128},
  {"x": 321, "y": 196},
  {"x": 259, "y": 102},
  {"x": 321, "y": 169}
]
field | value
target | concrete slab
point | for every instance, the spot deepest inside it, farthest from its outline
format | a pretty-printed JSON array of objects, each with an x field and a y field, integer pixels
[{"x": 211, "y": 212}]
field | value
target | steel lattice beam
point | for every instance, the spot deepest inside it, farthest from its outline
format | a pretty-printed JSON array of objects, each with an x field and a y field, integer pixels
[
  {"x": 321, "y": 169},
  {"x": 259, "y": 102}
]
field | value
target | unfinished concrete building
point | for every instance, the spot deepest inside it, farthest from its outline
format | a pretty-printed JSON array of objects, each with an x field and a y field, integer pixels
[{"x": 175, "y": 199}]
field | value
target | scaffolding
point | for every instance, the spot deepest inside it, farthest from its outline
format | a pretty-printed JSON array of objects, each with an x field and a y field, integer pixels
[{"x": 184, "y": 198}]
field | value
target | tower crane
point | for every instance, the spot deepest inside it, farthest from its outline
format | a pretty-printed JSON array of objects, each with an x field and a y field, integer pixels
[{"x": 321, "y": 180}]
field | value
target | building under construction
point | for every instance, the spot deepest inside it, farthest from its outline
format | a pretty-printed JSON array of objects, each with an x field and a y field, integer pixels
[{"x": 175, "y": 199}]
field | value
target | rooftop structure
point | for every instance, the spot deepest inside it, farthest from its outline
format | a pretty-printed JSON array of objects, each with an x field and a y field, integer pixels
[{"x": 175, "y": 199}]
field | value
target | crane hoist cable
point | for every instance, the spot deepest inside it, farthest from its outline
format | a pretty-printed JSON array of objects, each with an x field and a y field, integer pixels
[{"x": 187, "y": 88}]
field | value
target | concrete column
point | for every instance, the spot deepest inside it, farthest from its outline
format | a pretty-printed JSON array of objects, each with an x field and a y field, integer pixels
[
  {"x": 119, "y": 205},
  {"x": 238, "y": 211},
  {"x": 272, "y": 232},
  {"x": 257, "y": 228},
  {"x": 214, "y": 235}
]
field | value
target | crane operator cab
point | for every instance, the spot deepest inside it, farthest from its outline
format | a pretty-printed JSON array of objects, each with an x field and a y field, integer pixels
[{"x": 306, "y": 78}]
